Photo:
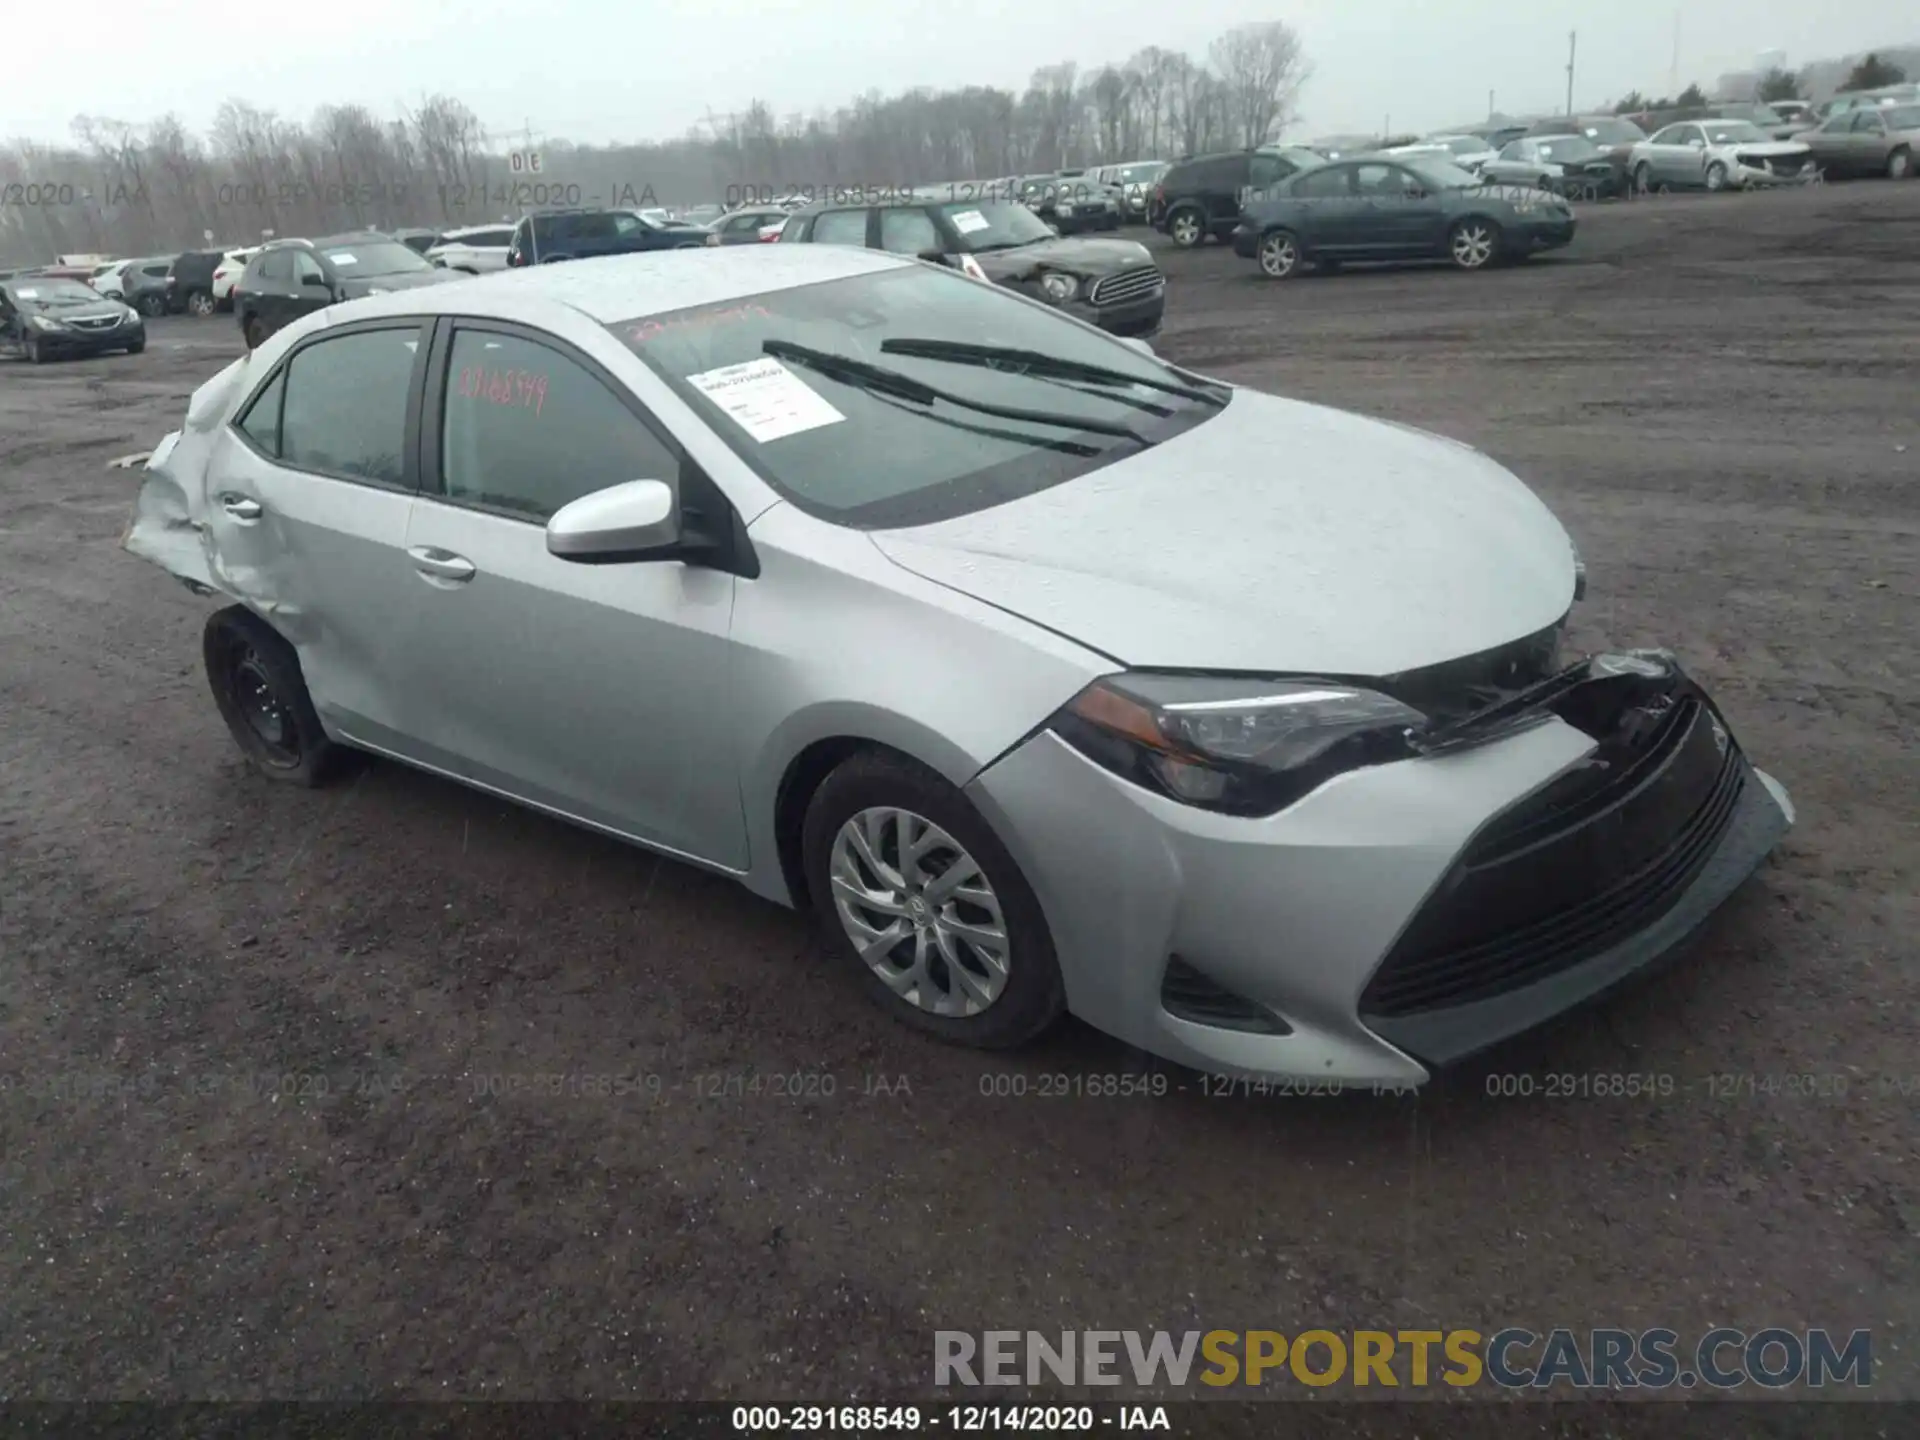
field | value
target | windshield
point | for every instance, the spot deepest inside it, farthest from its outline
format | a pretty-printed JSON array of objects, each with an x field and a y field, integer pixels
[
  {"x": 1465, "y": 145},
  {"x": 1902, "y": 117},
  {"x": 359, "y": 259},
  {"x": 42, "y": 291},
  {"x": 1612, "y": 132},
  {"x": 1733, "y": 132},
  {"x": 868, "y": 458},
  {"x": 995, "y": 225},
  {"x": 1442, "y": 174},
  {"x": 1567, "y": 147}
]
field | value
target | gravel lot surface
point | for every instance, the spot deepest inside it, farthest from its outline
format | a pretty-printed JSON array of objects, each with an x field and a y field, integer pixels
[{"x": 1718, "y": 396}]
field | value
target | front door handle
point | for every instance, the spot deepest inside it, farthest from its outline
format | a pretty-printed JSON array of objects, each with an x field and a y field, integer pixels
[
  {"x": 440, "y": 564},
  {"x": 241, "y": 508}
]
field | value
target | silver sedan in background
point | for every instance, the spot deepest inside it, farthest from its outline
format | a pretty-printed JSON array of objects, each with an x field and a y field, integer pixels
[{"x": 1050, "y": 676}]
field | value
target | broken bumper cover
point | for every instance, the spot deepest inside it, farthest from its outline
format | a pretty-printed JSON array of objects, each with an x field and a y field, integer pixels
[{"x": 1399, "y": 917}]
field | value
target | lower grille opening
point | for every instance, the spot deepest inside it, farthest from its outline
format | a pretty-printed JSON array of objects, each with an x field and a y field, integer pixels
[
  {"x": 1188, "y": 994},
  {"x": 1575, "y": 870}
]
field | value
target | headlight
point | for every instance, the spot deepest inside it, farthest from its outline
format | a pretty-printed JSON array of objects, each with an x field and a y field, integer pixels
[
  {"x": 41, "y": 322},
  {"x": 1059, "y": 287},
  {"x": 1235, "y": 745}
]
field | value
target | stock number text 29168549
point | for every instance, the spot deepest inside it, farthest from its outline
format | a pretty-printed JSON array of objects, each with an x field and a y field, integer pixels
[{"x": 523, "y": 388}]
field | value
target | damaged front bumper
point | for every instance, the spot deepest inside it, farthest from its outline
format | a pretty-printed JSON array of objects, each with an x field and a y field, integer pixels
[{"x": 1403, "y": 916}]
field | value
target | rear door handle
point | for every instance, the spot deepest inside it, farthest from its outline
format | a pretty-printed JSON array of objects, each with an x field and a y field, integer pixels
[
  {"x": 441, "y": 564},
  {"x": 241, "y": 508}
]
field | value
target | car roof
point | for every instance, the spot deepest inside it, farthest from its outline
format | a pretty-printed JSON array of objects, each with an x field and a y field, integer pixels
[{"x": 631, "y": 287}]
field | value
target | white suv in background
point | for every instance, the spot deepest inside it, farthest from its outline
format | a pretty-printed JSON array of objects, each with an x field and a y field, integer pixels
[
  {"x": 110, "y": 279},
  {"x": 226, "y": 272},
  {"x": 476, "y": 250}
]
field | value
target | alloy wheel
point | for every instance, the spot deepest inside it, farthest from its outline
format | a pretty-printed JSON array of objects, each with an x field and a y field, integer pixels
[
  {"x": 920, "y": 911},
  {"x": 1472, "y": 245},
  {"x": 1186, "y": 229},
  {"x": 201, "y": 303},
  {"x": 1278, "y": 256},
  {"x": 1716, "y": 177}
]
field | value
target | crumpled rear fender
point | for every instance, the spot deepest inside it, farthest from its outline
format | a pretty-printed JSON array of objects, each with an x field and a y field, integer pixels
[{"x": 169, "y": 526}]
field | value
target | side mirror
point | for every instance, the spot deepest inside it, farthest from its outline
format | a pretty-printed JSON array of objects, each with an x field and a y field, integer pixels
[
  {"x": 1134, "y": 342},
  {"x": 935, "y": 257},
  {"x": 623, "y": 523}
]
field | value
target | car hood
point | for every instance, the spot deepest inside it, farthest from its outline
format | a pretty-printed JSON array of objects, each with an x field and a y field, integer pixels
[
  {"x": 358, "y": 287},
  {"x": 1076, "y": 256},
  {"x": 1274, "y": 537},
  {"x": 86, "y": 310},
  {"x": 1769, "y": 149}
]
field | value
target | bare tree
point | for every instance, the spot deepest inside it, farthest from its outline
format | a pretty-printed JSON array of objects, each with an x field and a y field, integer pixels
[{"x": 1261, "y": 69}]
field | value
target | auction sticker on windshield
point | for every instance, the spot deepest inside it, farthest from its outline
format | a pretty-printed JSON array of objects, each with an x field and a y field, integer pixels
[
  {"x": 343, "y": 257},
  {"x": 968, "y": 221},
  {"x": 765, "y": 399}
]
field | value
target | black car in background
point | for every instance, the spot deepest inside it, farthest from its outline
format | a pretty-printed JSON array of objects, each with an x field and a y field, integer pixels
[
  {"x": 190, "y": 282},
  {"x": 1071, "y": 201},
  {"x": 1383, "y": 210},
  {"x": 1202, "y": 196},
  {"x": 291, "y": 278},
  {"x": 1110, "y": 283},
  {"x": 144, "y": 285},
  {"x": 583, "y": 234},
  {"x": 41, "y": 318},
  {"x": 1613, "y": 134}
]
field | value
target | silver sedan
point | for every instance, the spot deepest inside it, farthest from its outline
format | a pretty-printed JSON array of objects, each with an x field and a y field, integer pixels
[{"x": 1052, "y": 677}]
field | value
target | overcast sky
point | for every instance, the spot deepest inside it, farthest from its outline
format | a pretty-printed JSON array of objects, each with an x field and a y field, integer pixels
[{"x": 607, "y": 70}]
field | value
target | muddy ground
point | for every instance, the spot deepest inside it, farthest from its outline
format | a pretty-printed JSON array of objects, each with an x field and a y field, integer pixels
[{"x": 1719, "y": 397}]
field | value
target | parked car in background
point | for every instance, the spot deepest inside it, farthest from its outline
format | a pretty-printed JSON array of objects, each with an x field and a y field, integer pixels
[
  {"x": 1135, "y": 180},
  {"x": 1073, "y": 203},
  {"x": 474, "y": 250},
  {"x": 291, "y": 278},
  {"x": 143, "y": 285},
  {"x": 1850, "y": 100},
  {"x": 1469, "y": 152},
  {"x": 1202, "y": 196},
  {"x": 1569, "y": 165},
  {"x": 1498, "y": 137},
  {"x": 107, "y": 278},
  {"x": 45, "y": 317},
  {"x": 1762, "y": 117},
  {"x": 1793, "y": 117},
  {"x": 756, "y": 225},
  {"x": 416, "y": 238},
  {"x": 545, "y": 236},
  {"x": 1718, "y": 155},
  {"x": 1111, "y": 283},
  {"x": 190, "y": 282},
  {"x": 230, "y": 268},
  {"x": 703, "y": 214},
  {"x": 1867, "y": 140},
  {"x": 1612, "y": 133},
  {"x": 1382, "y": 209}
]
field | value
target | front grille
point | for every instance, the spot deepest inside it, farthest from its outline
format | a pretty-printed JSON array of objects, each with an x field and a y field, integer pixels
[
  {"x": 1575, "y": 869},
  {"x": 95, "y": 322},
  {"x": 1187, "y": 994},
  {"x": 1128, "y": 286}
]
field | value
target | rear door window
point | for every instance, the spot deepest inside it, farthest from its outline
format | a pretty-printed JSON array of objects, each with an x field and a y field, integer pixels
[
  {"x": 345, "y": 412},
  {"x": 840, "y": 227},
  {"x": 908, "y": 232}
]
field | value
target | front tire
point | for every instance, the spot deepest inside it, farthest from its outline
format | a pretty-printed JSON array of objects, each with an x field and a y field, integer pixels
[
  {"x": 1279, "y": 255},
  {"x": 35, "y": 352},
  {"x": 137, "y": 346},
  {"x": 1716, "y": 178},
  {"x": 254, "y": 332},
  {"x": 913, "y": 886},
  {"x": 1473, "y": 243},
  {"x": 256, "y": 681},
  {"x": 1187, "y": 227},
  {"x": 1900, "y": 165}
]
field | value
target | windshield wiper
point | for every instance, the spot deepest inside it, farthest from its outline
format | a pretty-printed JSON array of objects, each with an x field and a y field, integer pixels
[
  {"x": 861, "y": 375},
  {"x": 966, "y": 352}
]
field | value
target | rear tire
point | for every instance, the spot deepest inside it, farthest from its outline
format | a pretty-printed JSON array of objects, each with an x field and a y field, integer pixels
[
  {"x": 256, "y": 681},
  {"x": 1027, "y": 995},
  {"x": 200, "y": 304},
  {"x": 1900, "y": 165},
  {"x": 1643, "y": 179},
  {"x": 1187, "y": 227}
]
